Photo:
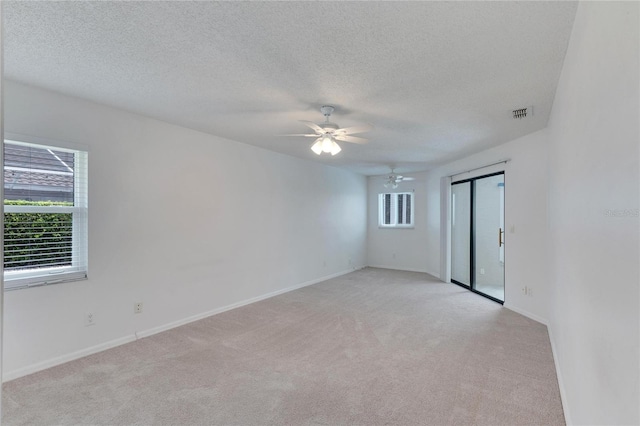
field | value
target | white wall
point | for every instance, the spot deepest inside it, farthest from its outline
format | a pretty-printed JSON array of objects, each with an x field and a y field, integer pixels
[
  {"x": 1, "y": 192},
  {"x": 594, "y": 131},
  {"x": 183, "y": 221},
  {"x": 525, "y": 213}
]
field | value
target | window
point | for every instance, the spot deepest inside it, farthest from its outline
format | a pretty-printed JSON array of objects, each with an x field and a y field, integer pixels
[
  {"x": 45, "y": 213},
  {"x": 396, "y": 210}
]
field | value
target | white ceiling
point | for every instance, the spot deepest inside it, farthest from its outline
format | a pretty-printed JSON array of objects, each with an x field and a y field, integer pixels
[{"x": 438, "y": 80}]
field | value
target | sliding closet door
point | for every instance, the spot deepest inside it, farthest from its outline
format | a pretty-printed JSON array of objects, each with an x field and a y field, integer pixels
[
  {"x": 488, "y": 236},
  {"x": 461, "y": 233},
  {"x": 477, "y": 235}
]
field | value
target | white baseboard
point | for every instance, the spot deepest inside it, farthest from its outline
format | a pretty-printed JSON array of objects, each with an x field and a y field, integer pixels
[
  {"x": 527, "y": 314},
  {"x": 178, "y": 323},
  {"x": 396, "y": 268},
  {"x": 43, "y": 365},
  {"x": 563, "y": 392}
]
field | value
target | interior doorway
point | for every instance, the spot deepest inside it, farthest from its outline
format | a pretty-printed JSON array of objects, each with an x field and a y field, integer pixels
[{"x": 477, "y": 235}]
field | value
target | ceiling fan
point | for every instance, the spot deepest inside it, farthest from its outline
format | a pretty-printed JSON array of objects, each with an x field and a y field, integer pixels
[
  {"x": 394, "y": 179},
  {"x": 328, "y": 133}
]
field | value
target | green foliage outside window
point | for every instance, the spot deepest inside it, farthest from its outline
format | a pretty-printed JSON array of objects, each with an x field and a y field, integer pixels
[{"x": 33, "y": 240}]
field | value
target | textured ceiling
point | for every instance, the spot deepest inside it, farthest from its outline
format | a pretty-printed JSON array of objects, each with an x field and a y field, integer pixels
[{"x": 438, "y": 80}]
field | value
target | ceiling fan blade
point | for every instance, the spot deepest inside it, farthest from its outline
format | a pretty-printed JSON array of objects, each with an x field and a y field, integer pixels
[
  {"x": 352, "y": 139},
  {"x": 355, "y": 129},
  {"x": 408, "y": 178},
  {"x": 306, "y": 135},
  {"x": 319, "y": 130}
]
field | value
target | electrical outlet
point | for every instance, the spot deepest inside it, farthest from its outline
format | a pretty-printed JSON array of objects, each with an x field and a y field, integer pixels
[
  {"x": 89, "y": 319},
  {"x": 481, "y": 271},
  {"x": 137, "y": 308}
]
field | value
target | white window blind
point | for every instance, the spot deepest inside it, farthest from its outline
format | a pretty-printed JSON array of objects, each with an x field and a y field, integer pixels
[
  {"x": 45, "y": 205},
  {"x": 395, "y": 210}
]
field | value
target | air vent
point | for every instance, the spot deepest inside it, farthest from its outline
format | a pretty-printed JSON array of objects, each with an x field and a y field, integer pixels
[{"x": 520, "y": 113}]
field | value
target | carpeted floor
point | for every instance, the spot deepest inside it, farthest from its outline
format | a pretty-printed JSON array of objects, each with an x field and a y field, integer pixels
[{"x": 372, "y": 347}]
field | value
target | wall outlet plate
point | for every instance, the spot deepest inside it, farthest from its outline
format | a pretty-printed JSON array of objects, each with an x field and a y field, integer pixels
[{"x": 137, "y": 308}]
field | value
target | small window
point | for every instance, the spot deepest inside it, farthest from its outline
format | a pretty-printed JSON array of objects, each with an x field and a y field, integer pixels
[
  {"x": 45, "y": 214},
  {"x": 396, "y": 210}
]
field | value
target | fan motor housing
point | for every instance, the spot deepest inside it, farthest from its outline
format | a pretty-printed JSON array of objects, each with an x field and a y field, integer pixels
[{"x": 328, "y": 125}]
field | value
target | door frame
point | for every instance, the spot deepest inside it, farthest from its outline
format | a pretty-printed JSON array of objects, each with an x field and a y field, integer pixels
[{"x": 472, "y": 255}]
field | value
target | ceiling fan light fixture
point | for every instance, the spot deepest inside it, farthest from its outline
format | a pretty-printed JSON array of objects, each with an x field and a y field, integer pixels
[
  {"x": 317, "y": 147},
  {"x": 327, "y": 143},
  {"x": 335, "y": 149},
  {"x": 391, "y": 183}
]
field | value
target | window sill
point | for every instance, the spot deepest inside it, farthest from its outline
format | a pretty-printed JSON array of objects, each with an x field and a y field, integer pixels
[
  {"x": 395, "y": 227},
  {"x": 21, "y": 284}
]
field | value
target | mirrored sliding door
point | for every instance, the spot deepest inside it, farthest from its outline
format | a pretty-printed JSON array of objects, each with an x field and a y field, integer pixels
[
  {"x": 488, "y": 236},
  {"x": 477, "y": 235},
  {"x": 461, "y": 233}
]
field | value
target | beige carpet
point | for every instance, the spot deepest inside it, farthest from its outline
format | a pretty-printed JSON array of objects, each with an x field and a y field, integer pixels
[{"x": 375, "y": 347}]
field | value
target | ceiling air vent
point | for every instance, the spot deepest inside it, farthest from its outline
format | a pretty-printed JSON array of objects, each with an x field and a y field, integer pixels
[{"x": 520, "y": 113}]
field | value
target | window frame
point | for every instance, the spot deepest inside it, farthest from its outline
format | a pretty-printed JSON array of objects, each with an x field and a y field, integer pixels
[
  {"x": 78, "y": 270},
  {"x": 393, "y": 210}
]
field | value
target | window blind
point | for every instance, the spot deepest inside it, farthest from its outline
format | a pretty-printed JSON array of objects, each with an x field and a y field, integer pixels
[
  {"x": 387, "y": 209},
  {"x": 395, "y": 210}
]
